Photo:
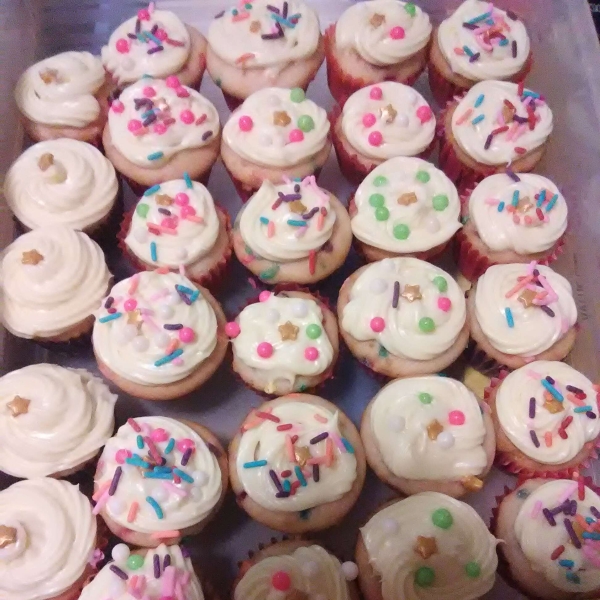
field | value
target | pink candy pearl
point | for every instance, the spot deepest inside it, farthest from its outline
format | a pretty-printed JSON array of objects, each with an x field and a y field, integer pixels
[
  {"x": 181, "y": 199},
  {"x": 187, "y": 211},
  {"x": 134, "y": 125},
  {"x": 143, "y": 14},
  {"x": 149, "y": 91},
  {"x": 264, "y": 350},
  {"x": 424, "y": 114},
  {"x": 172, "y": 81},
  {"x": 377, "y": 324},
  {"x": 311, "y": 353},
  {"x": 121, "y": 455},
  {"x": 182, "y": 92},
  {"x": 187, "y": 117},
  {"x": 168, "y": 222},
  {"x": 369, "y": 120},
  {"x": 130, "y": 304},
  {"x": 397, "y": 33},
  {"x": 456, "y": 417},
  {"x": 187, "y": 335},
  {"x": 376, "y": 93},
  {"x": 444, "y": 303},
  {"x": 161, "y": 34},
  {"x": 183, "y": 444},
  {"x": 296, "y": 135},
  {"x": 245, "y": 123},
  {"x": 159, "y": 435},
  {"x": 264, "y": 296},
  {"x": 375, "y": 138},
  {"x": 159, "y": 128},
  {"x": 122, "y": 46},
  {"x": 117, "y": 106},
  {"x": 232, "y": 329}
]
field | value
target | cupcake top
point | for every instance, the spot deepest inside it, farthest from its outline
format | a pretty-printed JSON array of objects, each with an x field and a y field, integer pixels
[
  {"x": 388, "y": 119},
  {"x": 481, "y": 41},
  {"x": 154, "y": 119},
  {"x": 47, "y": 537},
  {"x": 154, "y": 328},
  {"x": 60, "y": 90},
  {"x": 185, "y": 211},
  {"x": 527, "y": 215},
  {"x": 559, "y": 515},
  {"x": 277, "y": 127},
  {"x": 52, "y": 419},
  {"x": 497, "y": 122},
  {"x": 52, "y": 279},
  {"x": 429, "y": 428},
  {"x": 383, "y": 32},
  {"x": 265, "y": 33},
  {"x": 157, "y": 475},
  {"x": 61, "y": 182},
  {"x": 411, "y": 307},
  {"x": 154, "y": 43},
  {"x": 524, "y": 309},
  {"x": 431, "y": 546},
  {"x": 406, "y": 205},
  {"x": 548, "y": 411}
]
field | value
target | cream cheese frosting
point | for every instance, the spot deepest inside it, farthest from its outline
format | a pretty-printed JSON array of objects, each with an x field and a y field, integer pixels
[
  {"x": 48, "y": 537},
  {"x": 431, "y": 547},
  {"x": 406, "y": 205}
]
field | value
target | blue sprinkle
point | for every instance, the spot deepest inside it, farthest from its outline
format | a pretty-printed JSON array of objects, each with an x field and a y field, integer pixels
[
  {"x": 482, "y": 17},
  {"x": 153, "y": 38},
  {"x": 479, "y": 100},
  {"x": 552, "y": 390},
  {"x": 589, "y": 520},
  {"x": 184, "y": 289},
  {"x": 264, "y": 220},
  {"x": 501, "y": 206},
  {"x": 515, "y": 198},
  {"x": 509, "y": 317},
  {"x": 254, "y": 464},
  {"x": 348, "y": 446},
  {"x": 184, "y": 475},
  {"x": 552, "y": 202},
  {"x": 300, "y": 475},
  {"x": 188, "y": 181},
  {"x": 503, "y": 42},
  {"x": 154, "y": 504},
  {"x": 154, "y": 475},
  {"x": 168, "y": 358},
  {"x": 295, "y": 223},
  {"x": 148, "y": 113},
  {"x": 165, "y": 469},
  {"x": 110, "y": 317},
  {"x": 136, "y": 461},
  {"x": 140, "y": 442},
  {"x": 541, "y": 198},
  {"x": 155, "y": 155},
  {"x": 169, "y": 447},
  {"x": 287, "y": 486},
  {"x": 153, "y": 254},
  {"x": 468, "y": 51},
  {"x": 582, "y": 409},
  {"x": 531, "y": 94},
  {"x": 194, "y": 296},
  {"x": 152, "y": 190},
  {"x": 566, "y": 563},
  {"x": 477, "y": 119}
]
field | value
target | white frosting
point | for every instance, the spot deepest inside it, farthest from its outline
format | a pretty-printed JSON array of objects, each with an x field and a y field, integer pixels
[
  {"x": 61, "y": 290},
  {"x": 499, "y": 230},
  {"x": 55, "y": 538},
  {"x": 78, "y": 189},
  {"x": 265, "y": 442},
  {"x": 183, "y": 504},
  {"x": 431, "y": 215},
  {"x": 391, "y": 536},
  {"x": 133, "y": 343},
  {"x": 191, "y": 240},
  {"x": 266, "y": 142},
  {"x": 473, "y": 138},
  {"x": 493, "y": 38},
  {"x": 534, "y": 330},
  {"x": 371, "y": 297},
  {"x": 67, "y": 100},
  {"x": 171, "y": 132},
  {"x": 513, "y": 408}
]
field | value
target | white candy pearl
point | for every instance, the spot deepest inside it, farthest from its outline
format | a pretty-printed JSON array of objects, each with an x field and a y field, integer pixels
[
  {"x": 120, "y": 553},
  {"x": 445, "y": 440},
  {"x": 196, "y": 493},
  {"x": 200, "y": 478},
  {"x": 350, "y": 571},
  {"x": 140, "y": 343},
  {"x": 310, "y": 568},
  {"x": 162, "y": 339},
  {"x": 160, "y": 494},
  {"x": 272, "y": 315},
  {"x": 432, "y": 224},
  {"x": 378, "y": 286},
  {"x": 300, "y": 309},
  {"x": 411, "y": 96},
  {"x": 181, "y": 254},
  {"x": 173, "y": 299},
  {"x": 390, "y": 526},
  {"x": 141, "y": 235},
  {"x": 127, "y": 333},
  {"x": 402, "y": 120},
  {"x": 397, "y": 423},
  {"x": 116, "y": 506},
  {"x": 165, "y": 311}
]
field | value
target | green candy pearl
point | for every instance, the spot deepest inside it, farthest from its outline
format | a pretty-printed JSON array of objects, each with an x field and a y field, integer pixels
[
  {"x": 473, "y": 569},
  {"x": 135, "y": 562},
  {"x": 376, "y": 200},
  {"x": 410, "y": 8},
  {"x": 424, "y": 576},
  {"x": 401, "y": 232},
  {"x": 423, "y": 176},
  {"x": 522, "y": 494},
  {"x": 297, "y": 95},
  {"x": 440, "y": 283},
  {"x": 313, "y": 331},
  {"x": 442, "y": 518},
  {"x": 440, "y": 202},
  {"x": 382, "y": 213},
  {"x": 306, "y": 123},
  {"x": 426, "y": 324},
  {"x": 379, "y": 181},
  {"x": 425, "y": 398},
  {"x": 142, "y": 210}
]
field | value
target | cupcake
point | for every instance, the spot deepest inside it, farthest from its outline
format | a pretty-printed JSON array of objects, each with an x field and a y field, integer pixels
[
  {"x": 478, "y": 41},
  {"x": 496, "y": 127},
  {"x": 546, "y": 419},
  {"x": 52, "y": 279},
  {"x": 262, "y": 44},
  {"x": 292, "y": 233},
  {"x": 175, "y": 224},
  {"x": 47, "y": 539},
  {"x": 405, "y": 207},
  {"x": 297, "y": 464},
  {"x": 287, "y": 342},
  {"x": 403, "y": 317},
  {"x": 158, "y": 130},
  {"x": 159, "y": 480},
  {"x": 276, "y": 134},
  {"x": 520, "y": 313},
  {"x": 157, "y": 336},
  {"x": 429, "y": 546},
  {"x": 64, "y": 96},
  {"x": 376, "y": 41},
  {"x": 380, "y": 122},
  {"x": 510, "y": 221},
  {"x": 429, "y": 434},
  {"x": 53, "y": 421}
]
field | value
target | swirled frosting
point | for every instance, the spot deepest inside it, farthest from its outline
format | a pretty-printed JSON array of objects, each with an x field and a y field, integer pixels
[
  {"x": 48, "y": 537},
  {"x": 277, "y": 127},
  {"x": 406, "y": 205},
  {"x": 383, "y": 32},
  {"x": 496, "y": 123},
  {"x": 411, "y": 307},
  {"x": 181, "y": 492},
  {"x": 154, "y": 119},
  {"x": 180, "y": 218},
  {"x": 59, "y": 90},
  {"x": 497, "y": 38},
  {"x": 461, "y": 553},
  {"x": 61, "y": 182},
  {"x": 524, "y": 317},
  {"x": 52, "y": 278},
  {"x": 526, "y": 216},
  {"x": 533, "y": 411},
  {"x": 154, "y": 328}
]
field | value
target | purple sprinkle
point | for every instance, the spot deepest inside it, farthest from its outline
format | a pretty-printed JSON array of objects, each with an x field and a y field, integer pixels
[
  {"x": 319, "y": 438},
  {"x": 154, "y": 28},
  {"x": 282, "y": 494},
  {"x": 532, "y": 408},
  {"x": 206, "y": 135},
  {"x": 327, "y": 247},
  {"x": 549, "y": 517},
  {"x": 595, "y": 512},
  {"x": 186, "y": 457},
  {"x": 219, "y": 15},
  {"x": 213, "y": 449},
  {"x": 271, "y": 36},
  {"x": 316, "y": 473},
  {"x": 276, "y": 481},
  {"x": 289, "y": 197},
  {"x": 115, "y": 481},
  {"x": 132, "y": 36},
  {"x": 119, "y": 572},
  {"x": 164, "y": 211},
  {"x": 185, "y": 552},
  {"x": 296, "y": 188},
  {"x": 590, "y": 415},
  {"x": 534, "y": 438},
  {"x": 284, "y": 12},
  {"x": 173, "y": 326},
  {"x": 519, "y": 119},
  {"x": 547, "y": 310},
  {"x": 273, "y": 9},
  {"x": 156, "y": 564},
  {"x": 572, "y": 534},
  {"x": 184, "y": 298},
  {"x": 536, "y": 273},
  {"x": 513, "y": 175},
  {"x": 138, "y": 25},
  {"x": 514, "y": 48},
  {"x": 109, "y": 302},
  {"x": 396, "y": 294},
  {"x": 470, "y": 26},
  {"x": 139, "y": 102},
  {"x": 573, "y": 508},
  {"x": 488, "y": 141},
  {"x": 565, "y": 506},
  {"x": 572, "y": 388},
  {"x": 311, "y": 213},
  {"x": 167, "y": 561},
  {"x": 475, "y": 57},
  {"x": 550, "y": 380},
  {"x": 155, "y": 50},
  {"x": 511, "y": 15}
]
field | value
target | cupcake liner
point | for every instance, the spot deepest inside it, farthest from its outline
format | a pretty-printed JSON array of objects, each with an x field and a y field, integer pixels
[{"x": 477, "y": 358}]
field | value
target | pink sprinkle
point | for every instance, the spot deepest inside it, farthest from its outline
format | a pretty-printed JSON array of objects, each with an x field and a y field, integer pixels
[
  {"x": 161, "y": 34},
  {"x": 377, "y": 324},
  {"x": 173, "y": 345},
  {"x": 130, "y": 304},
  {"x": 140, "y": 132},
  {"x": 187, "y": 117},
  {"x": 184, "y": 444},
  {"x": 134, "y": 125},
  {"x": 271, "y": 229},
  {"x": 571, "y": 489},
  {"x": 159, "y": 435},
  {"x": 232, "y": 329},
  {"x": 337, "y": 441},
  {"x": 397, "y": 33},
  {"x": 101, "y": 490},
  {"x": 537, "y": 507},
  {"x": 492, "y": 202},
  {"x": 296, "y": 135},
  {"x": 264, "y": 296},
  {"x": 444, "y": 303},
  {"x": 245, "y": 122},
  {"x": 149, "y": 91},
  {"x": 148, "y": 319},
  {"x": 168, "y": 582},
  {"x": 101, "y": 502},
  {"x": 264, "y": 350},
  {"x": 117, "y": 106},
  {"x": 187, "y": 210},
  {"x": 182, "y": 92},
  {"x": 187, "y": 335},
  {"x": 122, "y": 46},
  {"x": 121, "y": 455},
  {"x": 464, "y": 117},
  {"x": 376, "y": 93},
  {"x": 133, "y": 510},
  {"x": 456, "y": 417},
  {"x": 424, "y": 114},
  {"x": 143, "y": 14},
  {"x": 159, "y": 128},
  {"x": 172, "y": 82},
  {"x": 375, "y": 138},
  {"x": 369, "y": 120},
  {"x": 311, "y": 353},
  {"x": 182, "y": 199},
  {"x": 520, "y": 285},
  {"x": 201, "y": 119},
  {"x": 195, "y": 219},
  {"x": 548, "y": 288},
  {"x": 173, "y": 488},
  {"x": 459, "y": 51},
  {"x": 320, "y": 221},
  {"x": 516, "y": 219},
  {"x": 321, "y": 418}
]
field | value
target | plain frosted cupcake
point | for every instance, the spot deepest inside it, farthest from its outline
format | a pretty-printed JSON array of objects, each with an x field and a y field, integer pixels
[
  {"x": 297, "y": 464},
  {"x": 404, "y": 207},
  {"x": 295, "y": 232},
  {"x": 159, "y": 480}
]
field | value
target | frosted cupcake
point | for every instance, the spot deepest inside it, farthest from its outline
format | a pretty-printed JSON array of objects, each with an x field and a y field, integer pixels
[
  {"x": 157, "y": 336},
  {"x": 275, "y": 135},
  {"x": 376, "y": 41},
  {"x": 380, "y": 122},
  {"x": 403, "y": 317},
  {"x": 292, "y": 233},
  {"x": 159, "y": 480},
  {"x": 297, "y": 464},
  {"x": 405, "y": 207}
]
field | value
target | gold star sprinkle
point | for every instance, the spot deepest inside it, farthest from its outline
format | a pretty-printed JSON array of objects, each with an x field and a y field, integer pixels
[
  {"x": 297, "y": 207},
  {"x": 134, "y": 317},
  {"x": 388, "y": 113},
  {"x": 377, "y": 20},
  {"x": 472, "y": 483},
  {"x": 526, "y": 298},
  {"x": 45, "y": 161},
  {"x": 302, "y": 454},
  {"x": 524, "y": 204},
  {"x": 18, "y": 406},
  {"x": 551, "y": 404},
  {"x": 49, "y": 76},
  {"x": 434, "y": 429},
  {"x": 407, "y": 199},
  {"x": 288, "y": 331},
  {"x": 281, "y": 118},
  {"x": 412, "y": 292},
  {"x": 255, "y": 27},
  {"x": 164, "y": 200},
  {"x": 508, "y": 114},
  {"x": 8, "y": 536},
  {"x": 426, "y": 546},
  {"x": 31, "y": 257}
]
